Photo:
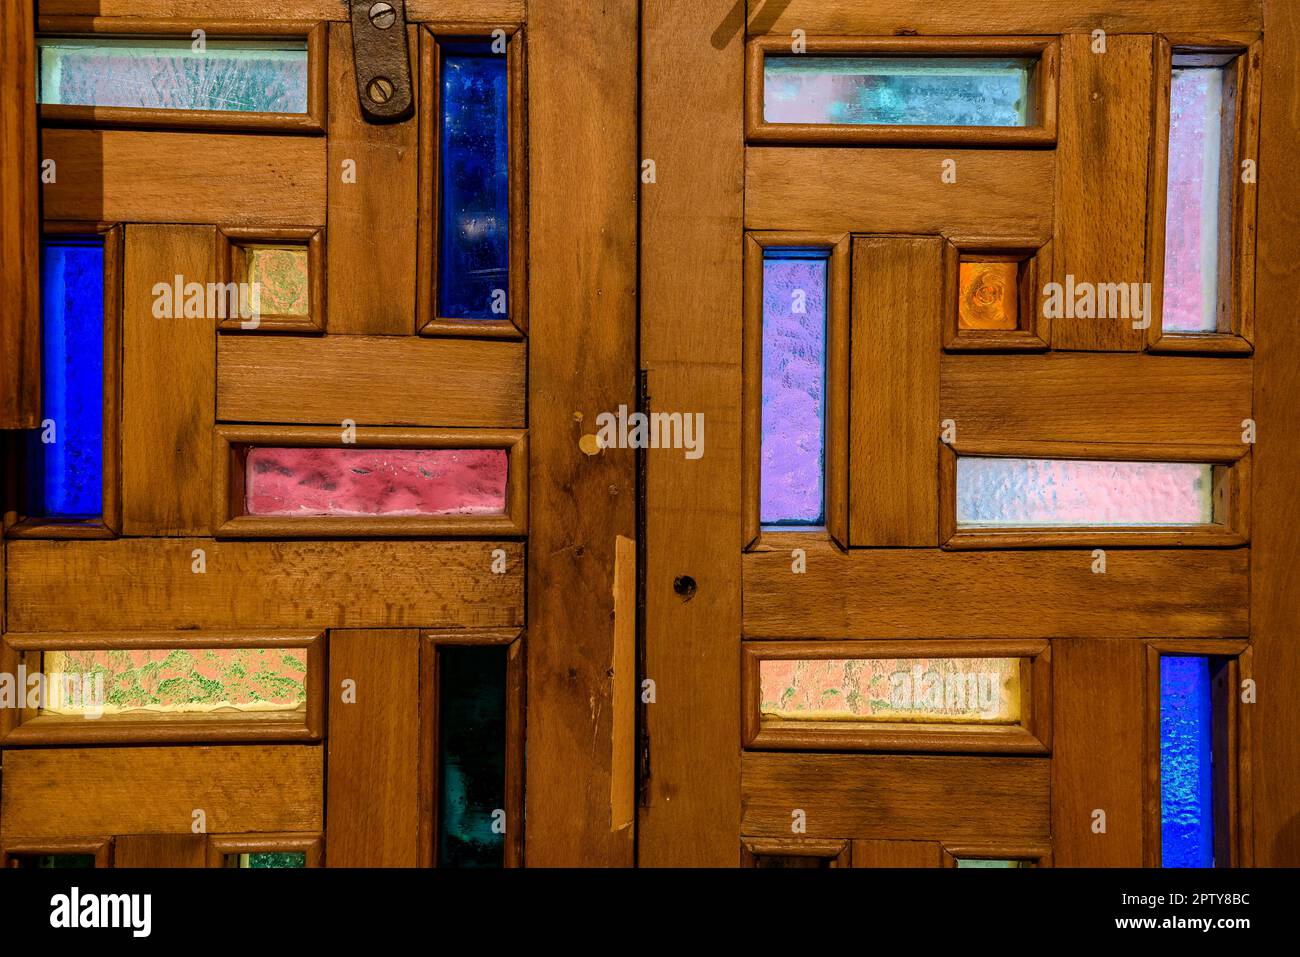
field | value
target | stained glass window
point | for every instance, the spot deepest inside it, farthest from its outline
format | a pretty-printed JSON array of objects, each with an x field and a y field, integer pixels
[
  {"x": 56, "y": 861},
  {"x": 987, "y": 862},
  {"x": 245, "y": 76},
  {"x": 278, "y": 279},
  {"x": 793, "y": 453},
  {"x": 1186, "y": 772},
  {"x": 997, "y": 492},
  {"x": 471, "y": 755},
  {"x": 898, "y": 90},
  {"x": 474, "y": 222},
  {"x": 267, "y": 859},
  {"x": 988, "y": 295},
  {"x": 375, "y": 482},
  {"x": 66, "y": 455}
]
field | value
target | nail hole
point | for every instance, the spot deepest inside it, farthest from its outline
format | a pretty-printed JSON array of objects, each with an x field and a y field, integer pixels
[{"x": 685, "y": 586}]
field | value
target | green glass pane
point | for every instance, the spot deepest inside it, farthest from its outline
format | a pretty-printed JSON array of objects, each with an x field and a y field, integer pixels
[
  {"x": 268, "y": 859},
  {"x": 60, "y": 861},
  {"x": 471, "y": 760},
  {"x": 983, "y": 863}
]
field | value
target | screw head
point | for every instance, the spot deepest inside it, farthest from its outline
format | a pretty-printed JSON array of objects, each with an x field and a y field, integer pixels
[
  {"x": 382, "y": 15},
  {"x": 380, "y": 89}
]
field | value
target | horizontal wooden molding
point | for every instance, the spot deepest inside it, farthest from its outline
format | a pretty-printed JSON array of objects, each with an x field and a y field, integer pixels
[
  {"x": 311, "y": 846},
  {"x": 502, "y": 12}
]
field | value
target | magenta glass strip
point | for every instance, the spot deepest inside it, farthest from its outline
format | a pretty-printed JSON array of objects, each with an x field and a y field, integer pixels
[{"x": 367, "y": 482}]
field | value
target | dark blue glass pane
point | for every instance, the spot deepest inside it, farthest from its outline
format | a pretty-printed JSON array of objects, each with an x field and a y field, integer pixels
[
  {"x": 474, "y": 224},
  {"x": 66, "y": 478},
  {"x": 472, "y": 755},
  {"x": 1186, "y": 792}
]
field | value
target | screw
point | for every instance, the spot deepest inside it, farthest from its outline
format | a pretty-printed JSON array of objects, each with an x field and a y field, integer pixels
[
  {"x": 380, "y": 90},
  {"x": 382, "y": 15}
]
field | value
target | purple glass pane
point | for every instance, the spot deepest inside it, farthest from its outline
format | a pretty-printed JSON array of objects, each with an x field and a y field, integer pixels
[
  {"x": 794, "y": 387},
  {"x": 1186, "y": 771},
  {"x": 1192, "y": 200},
  {"x": 366, "y": 482}
]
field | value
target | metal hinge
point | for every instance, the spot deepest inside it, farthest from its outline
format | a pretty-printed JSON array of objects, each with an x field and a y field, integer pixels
[{"x": 381, "y": 60}]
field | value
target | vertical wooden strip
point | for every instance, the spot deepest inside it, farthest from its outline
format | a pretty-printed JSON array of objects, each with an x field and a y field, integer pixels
[
  {"x": 160, "y": 850},
  {"x": 1099, "y": 747},
  {"x": 370, "y": 241},
  {"x": 20, "y": 329},
  {"x": 1101, "y": 180},
  {"x": 622, "y": 785},
  {"x": 1275, "y": 576},
  {"x": 169, "y": 383},
  {"x": 897, "y": 854},
  {"x": 581, "y": 362},
  {"x": 894, "y": 431},
  {"x": 691, "y": 316},
  {"x": 373, "y": 785}
]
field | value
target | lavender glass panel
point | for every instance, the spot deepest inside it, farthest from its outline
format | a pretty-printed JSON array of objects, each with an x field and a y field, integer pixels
[
  {"x": 1051, "y": 492},
  {"x": 794, "y": 387},
  {"x": 242, "y": 76},
  {"x": 1186, "y": 775},
  {"x": 371, "y": 482},
  {"x": 907, "y": 91},
  {"x": 1191, "y": 284}
]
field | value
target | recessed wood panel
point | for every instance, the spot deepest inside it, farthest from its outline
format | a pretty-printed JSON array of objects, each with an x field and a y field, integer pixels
[{"x": 897, "y": 854}]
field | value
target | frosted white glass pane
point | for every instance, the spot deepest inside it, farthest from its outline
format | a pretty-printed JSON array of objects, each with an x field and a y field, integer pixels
[{"x": 996, "y": 492}]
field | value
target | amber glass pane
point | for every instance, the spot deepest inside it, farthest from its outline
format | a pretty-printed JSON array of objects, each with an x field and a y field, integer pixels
[
  {"x": 988, "y": 295},
  {"x": 277, "y": 276}
]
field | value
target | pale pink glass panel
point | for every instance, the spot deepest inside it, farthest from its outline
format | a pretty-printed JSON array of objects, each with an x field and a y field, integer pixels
[
  {"x": 967, "y": 690},
  {"x": 366, "y": 482}
]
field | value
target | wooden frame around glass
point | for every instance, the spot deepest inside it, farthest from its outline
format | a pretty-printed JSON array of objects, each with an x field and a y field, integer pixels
[
  {"x": 231, "y": 444},
  {"x": 430, "y": 643},
  {"x": 836, "y": 437},
  {"x": 1230, "y": 498},
  {"x": 232, "y": 244},
  {"x": 837, "y": 854},
  {"x": 24, "y": 726},
  {"x": 1031, "y": 734},
  {"x": 109, "y": 523},
  {"x": 1236, "y": 240},
  {"x": 101, "y": 848},
  {"x": 122, "y": 117},
  {"x": 1041, "y": 107},
  {"x": 1033, "y": 329},
  {"x": 1031, "y": 853},
  {"x": 427, "y": 321},
  {"x": 220, "y": 846}
]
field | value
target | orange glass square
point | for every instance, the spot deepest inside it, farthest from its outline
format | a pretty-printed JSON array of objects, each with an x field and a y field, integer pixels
[{"x": 989, "y": 295}]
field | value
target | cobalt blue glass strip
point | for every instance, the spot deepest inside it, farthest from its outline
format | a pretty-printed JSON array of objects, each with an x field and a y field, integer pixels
[
  {"x": 1186, "y": 775},
  {"x": 474, "y": 223},
  {"x": 67, "y": 473},
  {"x": 471, "y": 755}
]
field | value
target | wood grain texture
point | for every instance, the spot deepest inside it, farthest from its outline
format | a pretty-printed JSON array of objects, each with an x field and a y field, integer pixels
[
  {"x": 171, "y": 177},
  {"x": 374, "y": 750},
  {"x": 148, "y": 585},
  {"x": 582, "y": 361},
  {"x": 1275, "y": 573},
  {"x": 160, "y": 850},
  {"x": 1099, "y": 751},
  {"x": 910, "y": 797},
  {"x": 913, "y": 594},
  {"x": 691, "y": 320},
  {"x": 997, "y": 193},
  {"x": 1101, "y": 179},
  {"x": 168, "y": 386},
  {"x": 20, "y": 302},
  {"x": 1001, "y": 16},
  {"x": 454, "y": 11},
  {"x": 373, "y": 380},
  {"x": 371, "y": 241},
  {"x": 56, "y": 793},
  {"x": 894, "y": 398},
  {"x": 897, "y": 854},
  {"x": 1096, "y": 398}
]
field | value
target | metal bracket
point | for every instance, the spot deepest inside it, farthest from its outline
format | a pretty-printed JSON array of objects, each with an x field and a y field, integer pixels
[{"x": 380, "y": 59}]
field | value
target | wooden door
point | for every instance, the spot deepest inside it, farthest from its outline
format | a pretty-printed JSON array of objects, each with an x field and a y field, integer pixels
[
  {"x": 940, "y": 445},
  {"x": 309, "y": 328}
]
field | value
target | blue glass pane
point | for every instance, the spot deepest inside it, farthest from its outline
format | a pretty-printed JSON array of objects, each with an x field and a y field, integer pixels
[
  {"x": 474, "y": 223},
  {"x": 1186, "y": 802},
  {"x": 471, "y": 755},
  {"x": 794, "y": 387},
  {"x": 66, "y": 474},
  {"x": 906, "y": 91}
]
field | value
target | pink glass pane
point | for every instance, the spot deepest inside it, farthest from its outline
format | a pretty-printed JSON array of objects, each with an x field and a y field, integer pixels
[
  {"x": 1192, "y": 200},
  {"x": 367, "y": 482},
  {"x": 1059, "y": 492}
]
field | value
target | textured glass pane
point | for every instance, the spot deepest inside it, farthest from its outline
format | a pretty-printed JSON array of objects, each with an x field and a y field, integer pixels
[
  {"x": 1191, "y": 290},
  {"x": 973, "y": 862},
  {"x": 359, "y": 482},
  {"x": 1060, "y": 492},
  {"x": 268, "y": 859},
  {"x": 908, "y": 91},
  {"x": 245, "y": 76},
  {"x": 56, "y": 861},
  {"x": 474, "y": 225},
  {"x": 988, "y": 295},
  {"x": 791, "y": 862},
  {"x": 471, "y": 755},
  {"x": 794, "y": 387},
  {"x": 964, "y": 690},
  {"x": 175, "y": 680},
  {"x": 67, "y": 471},
  {"x": 1186, "y": 791},
  {"x": 278, "y": 277}
]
